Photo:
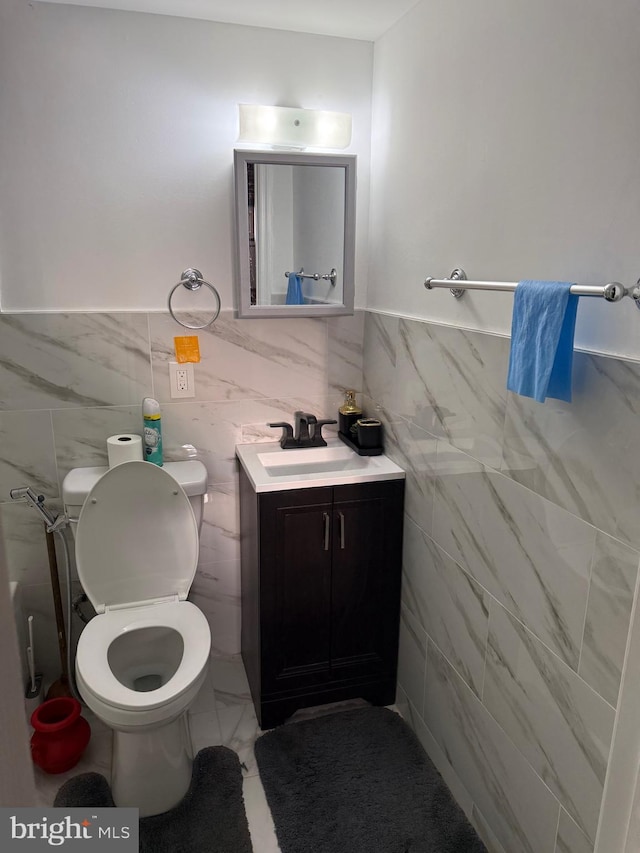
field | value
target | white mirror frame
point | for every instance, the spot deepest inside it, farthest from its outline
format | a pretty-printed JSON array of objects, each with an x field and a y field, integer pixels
[{"x": 245, "y": 309}]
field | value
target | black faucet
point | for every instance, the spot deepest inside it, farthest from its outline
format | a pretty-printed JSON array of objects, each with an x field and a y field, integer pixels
[
  {"x": 299, "y": 435},
  {"x": 301, "y": 423}
]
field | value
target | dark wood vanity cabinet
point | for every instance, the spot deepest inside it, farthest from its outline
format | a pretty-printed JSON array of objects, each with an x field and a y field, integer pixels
[{"x": 321, "y": 574}]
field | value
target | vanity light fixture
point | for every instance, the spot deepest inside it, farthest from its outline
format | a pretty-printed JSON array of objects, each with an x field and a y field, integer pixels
[{"x": 290, "y": 127}]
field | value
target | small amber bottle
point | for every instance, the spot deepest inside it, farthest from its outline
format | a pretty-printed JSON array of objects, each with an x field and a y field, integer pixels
[{"x": 348, "y": 413}]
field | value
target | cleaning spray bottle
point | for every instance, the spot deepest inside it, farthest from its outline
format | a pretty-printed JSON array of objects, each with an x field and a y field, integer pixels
[{"x": 152, "y": 430}]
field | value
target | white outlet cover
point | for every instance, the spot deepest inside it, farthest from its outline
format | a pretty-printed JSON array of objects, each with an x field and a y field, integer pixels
[{"x": 183, "y": 371}]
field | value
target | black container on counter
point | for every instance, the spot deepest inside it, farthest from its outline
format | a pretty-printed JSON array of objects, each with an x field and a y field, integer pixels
[{"x": 369, "y": 432}]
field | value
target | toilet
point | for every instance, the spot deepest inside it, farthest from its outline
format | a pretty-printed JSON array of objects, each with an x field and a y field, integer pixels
[{"x": 142, "y": 659}]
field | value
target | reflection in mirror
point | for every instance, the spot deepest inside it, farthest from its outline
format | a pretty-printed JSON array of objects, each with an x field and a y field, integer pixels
[{"x": 295, "y": 221}]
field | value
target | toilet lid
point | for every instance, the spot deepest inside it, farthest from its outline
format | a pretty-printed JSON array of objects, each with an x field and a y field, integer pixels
[{"x": 137, "y": 537}]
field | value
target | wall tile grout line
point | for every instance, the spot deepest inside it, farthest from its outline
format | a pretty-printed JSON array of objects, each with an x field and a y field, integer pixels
[
  {"x": 586, "y": 609},
  {"x": 555, "y": 846},
  {"x": 511, "y": 741},
  {"x": 513, "y": 615}
]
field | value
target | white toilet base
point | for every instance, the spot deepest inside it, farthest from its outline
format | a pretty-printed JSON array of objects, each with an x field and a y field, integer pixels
[{"x": 151, "y": 768}]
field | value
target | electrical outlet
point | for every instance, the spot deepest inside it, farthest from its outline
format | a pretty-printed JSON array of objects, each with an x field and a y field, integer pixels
[
  {"x": 182, "y": 383},
  {"x": 181, "y": 380}
]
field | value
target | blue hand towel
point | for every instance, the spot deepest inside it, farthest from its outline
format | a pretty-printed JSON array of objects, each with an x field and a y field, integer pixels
[
  {"x": 542, "y": 327},
  {"x": 294, "y": 290}
]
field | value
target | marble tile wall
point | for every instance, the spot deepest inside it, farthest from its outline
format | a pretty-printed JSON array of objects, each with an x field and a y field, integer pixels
[
  {"x": 520, "y": 552},
  {"x": 68, "y": 381},
  {"x": 520, "y": 566}
]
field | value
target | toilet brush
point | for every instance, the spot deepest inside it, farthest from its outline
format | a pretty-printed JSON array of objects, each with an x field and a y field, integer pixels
[{"x": 61, "y": 686}]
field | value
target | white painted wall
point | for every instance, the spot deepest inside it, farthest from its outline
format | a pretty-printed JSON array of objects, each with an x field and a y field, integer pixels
[
  {"x": 117, "y": 142},
  {"x": 505, "y": 141}
]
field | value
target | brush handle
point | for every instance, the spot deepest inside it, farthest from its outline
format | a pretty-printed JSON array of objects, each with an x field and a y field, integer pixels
[
  {"x": 32, "y": 668},
  {"x": 57, "y": 603},
  {"x": 31, "y": 655}
]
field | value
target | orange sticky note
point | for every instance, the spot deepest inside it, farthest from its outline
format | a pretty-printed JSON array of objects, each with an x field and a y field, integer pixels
[{"x": 187, "y": 349}]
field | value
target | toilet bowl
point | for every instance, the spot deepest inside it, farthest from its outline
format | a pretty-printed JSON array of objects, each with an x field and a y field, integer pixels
[{"x": 142, "y": 659}]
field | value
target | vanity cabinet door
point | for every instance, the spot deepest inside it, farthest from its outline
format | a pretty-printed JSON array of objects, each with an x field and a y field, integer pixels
[
  {"x": 321, "y": 572},
  {"x": 365, "y": 579},
  {"x": 295, "y": 583}
]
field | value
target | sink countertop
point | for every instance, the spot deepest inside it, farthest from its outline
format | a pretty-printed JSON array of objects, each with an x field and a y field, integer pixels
[{"x": 272, "y": 469}]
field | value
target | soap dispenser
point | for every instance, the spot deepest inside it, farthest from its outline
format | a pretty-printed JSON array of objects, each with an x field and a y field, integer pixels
[{"x": 348, "y": 413}]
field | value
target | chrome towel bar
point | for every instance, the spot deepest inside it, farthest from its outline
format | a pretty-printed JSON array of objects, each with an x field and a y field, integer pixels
[
  {"x": 612, "y": 292},
  {"x": 316, "y": 276}
]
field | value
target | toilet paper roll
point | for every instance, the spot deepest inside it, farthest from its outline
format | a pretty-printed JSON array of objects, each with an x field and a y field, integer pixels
[{"x": 124, "y": 448}]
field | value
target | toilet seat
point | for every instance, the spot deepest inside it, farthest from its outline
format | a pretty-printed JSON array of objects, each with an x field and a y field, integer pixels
[
  {"x": 93, "y": 647},
  {"x": 137, "y": 538}
]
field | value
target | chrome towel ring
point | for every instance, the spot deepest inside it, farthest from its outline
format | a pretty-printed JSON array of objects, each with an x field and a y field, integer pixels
[{"x": 192, "y": 279}]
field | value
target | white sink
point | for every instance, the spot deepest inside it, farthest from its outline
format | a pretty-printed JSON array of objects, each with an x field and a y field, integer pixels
[
  {"x": 272, "y": 469},
  {"x": 311, "y": 460}
]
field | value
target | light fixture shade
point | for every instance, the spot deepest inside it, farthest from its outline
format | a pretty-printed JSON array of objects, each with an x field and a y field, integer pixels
[{"x": 294, "y": 128}]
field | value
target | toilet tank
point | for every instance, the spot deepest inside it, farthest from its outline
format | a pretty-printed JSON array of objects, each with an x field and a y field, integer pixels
[{"x": 191, "y": 475}]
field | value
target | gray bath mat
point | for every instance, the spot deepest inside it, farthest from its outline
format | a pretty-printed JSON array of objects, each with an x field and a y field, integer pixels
[
  {"x": 210, "y": 819},
  {"x": 358, "y": 781}
]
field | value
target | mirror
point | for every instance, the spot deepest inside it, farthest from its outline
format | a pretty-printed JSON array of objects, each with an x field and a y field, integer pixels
[{"x": 295, "y": 233}]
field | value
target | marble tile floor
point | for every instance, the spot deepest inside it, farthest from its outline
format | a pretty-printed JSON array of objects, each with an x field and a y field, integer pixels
[{"x": 221, "y": 714}]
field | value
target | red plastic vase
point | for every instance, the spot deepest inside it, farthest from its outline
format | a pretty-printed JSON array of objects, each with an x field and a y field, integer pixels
[{"x": 61, "y": 735}]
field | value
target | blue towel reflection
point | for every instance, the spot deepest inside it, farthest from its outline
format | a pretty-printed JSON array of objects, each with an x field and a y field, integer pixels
[
  {"x": 294, "y": 290},
  {"x": 542, "y": 327}
]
